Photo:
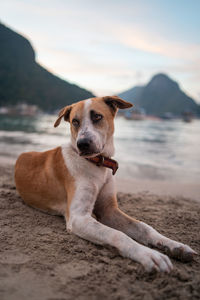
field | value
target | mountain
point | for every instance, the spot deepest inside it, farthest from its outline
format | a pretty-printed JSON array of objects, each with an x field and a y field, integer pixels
[
  {"x": 159, "y": 96},
  {"x": 22, "y": 79}
]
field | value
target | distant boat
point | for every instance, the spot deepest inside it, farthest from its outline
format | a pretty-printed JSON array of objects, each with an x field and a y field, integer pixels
[
  {"x": 135, "y": 114},
  {"x": 21, "y": 109},
  {"x": 168, "y": 116},
  {"x": 187, "y": 117}
]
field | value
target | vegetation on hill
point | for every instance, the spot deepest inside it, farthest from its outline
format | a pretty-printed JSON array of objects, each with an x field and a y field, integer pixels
[
  {"x": 23, "y": 80},
  {"x": 161, "y": 95}
]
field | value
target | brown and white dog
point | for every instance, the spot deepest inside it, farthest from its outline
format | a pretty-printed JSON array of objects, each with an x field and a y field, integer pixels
[{"x": 66, "y": 181}]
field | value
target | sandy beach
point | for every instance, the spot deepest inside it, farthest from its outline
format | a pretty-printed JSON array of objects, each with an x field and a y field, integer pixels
[
  {"x": 189, "y": 190},
  {"x": 40, "y": 260}
]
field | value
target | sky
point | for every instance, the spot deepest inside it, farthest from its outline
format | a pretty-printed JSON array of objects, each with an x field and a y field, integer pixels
[{"x": 110, "y": 46}]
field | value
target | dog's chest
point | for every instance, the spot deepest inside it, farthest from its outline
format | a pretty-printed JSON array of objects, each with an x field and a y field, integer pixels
[{"x": 83, "y": 170}]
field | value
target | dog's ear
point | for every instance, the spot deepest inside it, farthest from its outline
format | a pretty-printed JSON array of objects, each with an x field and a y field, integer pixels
[
  {"x": 65, "y": 112},
  {"x": 115, "y": 102}
]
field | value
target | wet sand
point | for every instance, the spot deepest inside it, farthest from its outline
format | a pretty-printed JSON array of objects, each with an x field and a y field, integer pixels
[{"x": 40, "y": 260}]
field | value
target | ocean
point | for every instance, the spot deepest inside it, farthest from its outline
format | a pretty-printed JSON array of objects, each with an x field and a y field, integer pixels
[{"x": 148, "y": 149}]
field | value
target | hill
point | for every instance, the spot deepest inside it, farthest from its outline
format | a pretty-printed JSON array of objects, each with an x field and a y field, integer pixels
[
  {"x": 159, "y": 96},
  {"x": 22, "y": 79}
]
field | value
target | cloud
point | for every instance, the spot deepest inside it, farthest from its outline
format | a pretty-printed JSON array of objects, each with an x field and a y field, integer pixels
[
  {"x": 137, "y": 38},
  {"x": 107, "y": 76}
]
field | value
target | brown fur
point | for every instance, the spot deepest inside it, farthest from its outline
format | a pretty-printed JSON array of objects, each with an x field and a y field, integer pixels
[{"x": 45, "y": 188}]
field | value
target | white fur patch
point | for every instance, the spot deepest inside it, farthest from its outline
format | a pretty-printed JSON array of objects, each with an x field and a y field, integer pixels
[
  {"x": 87, "y": 104},
  {"x": 79, "y": 167},
  {"x": 89, "y": 180},
  {"x": 86, "y": 122}
]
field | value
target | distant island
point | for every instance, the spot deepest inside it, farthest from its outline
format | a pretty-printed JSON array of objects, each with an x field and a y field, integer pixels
[
  {"x": 23, "y": 80},
  {"x": 161, "y": 96}
]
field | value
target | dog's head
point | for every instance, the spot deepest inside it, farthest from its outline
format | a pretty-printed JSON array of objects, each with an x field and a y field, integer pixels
[{"x": 92, "y": 124}]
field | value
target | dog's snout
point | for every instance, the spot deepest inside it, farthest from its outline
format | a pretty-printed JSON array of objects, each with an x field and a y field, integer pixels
[{"x": 83, "y": 144}]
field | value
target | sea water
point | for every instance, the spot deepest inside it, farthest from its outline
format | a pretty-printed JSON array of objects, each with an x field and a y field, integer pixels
[{"x": 147, "y": 149}]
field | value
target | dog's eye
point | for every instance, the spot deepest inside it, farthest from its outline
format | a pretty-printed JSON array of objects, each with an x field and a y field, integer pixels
[
  {"x": 96, "y": 117},
  {"x": 75, "y": 122}
]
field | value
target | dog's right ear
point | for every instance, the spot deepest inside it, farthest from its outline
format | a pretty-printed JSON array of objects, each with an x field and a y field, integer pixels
[{"x": 65, "y": 112}]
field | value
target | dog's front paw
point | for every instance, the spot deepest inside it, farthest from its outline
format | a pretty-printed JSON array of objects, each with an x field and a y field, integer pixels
[
  {"x": 153, "y": 260},
  {"x": 179, "y": 251}
]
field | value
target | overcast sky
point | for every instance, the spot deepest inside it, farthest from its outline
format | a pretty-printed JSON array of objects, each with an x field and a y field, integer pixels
[{"x": 110, "y": 46}]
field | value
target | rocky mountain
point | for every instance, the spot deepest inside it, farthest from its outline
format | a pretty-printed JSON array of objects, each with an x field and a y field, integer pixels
[
  {"x": 161, "y": 95},
  {"x": 23, "y": 80}
]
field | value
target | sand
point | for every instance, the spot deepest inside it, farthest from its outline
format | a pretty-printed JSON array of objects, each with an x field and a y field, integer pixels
[
  {"x": 40, "y": 260},
  {"x": 161, "y": 187}
]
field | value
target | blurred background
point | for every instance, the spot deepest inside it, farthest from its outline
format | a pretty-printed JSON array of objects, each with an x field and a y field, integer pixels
[{"x": 56, "y": 52}]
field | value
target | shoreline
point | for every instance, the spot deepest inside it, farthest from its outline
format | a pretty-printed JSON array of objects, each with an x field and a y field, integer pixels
[
  {"x": 158, "y": 187},
  {"x": 127, "y": 185}
]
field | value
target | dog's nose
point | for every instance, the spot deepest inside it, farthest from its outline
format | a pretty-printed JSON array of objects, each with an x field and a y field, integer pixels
[{"x": 83, "y": 144}]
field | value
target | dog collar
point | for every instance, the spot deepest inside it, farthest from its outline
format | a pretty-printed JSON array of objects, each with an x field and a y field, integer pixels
[{"x": 102, "y": 161}]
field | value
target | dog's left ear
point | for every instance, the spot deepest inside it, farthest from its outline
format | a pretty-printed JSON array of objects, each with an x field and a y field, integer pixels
[
  {"x": 65, "y": 112},
  {"x": 115, "y": 102}
]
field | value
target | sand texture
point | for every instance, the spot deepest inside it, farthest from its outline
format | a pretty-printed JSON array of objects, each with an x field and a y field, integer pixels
[{"x": 40, "y": 260}]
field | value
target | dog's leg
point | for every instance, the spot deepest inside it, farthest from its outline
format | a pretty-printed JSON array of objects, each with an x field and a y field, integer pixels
[
  {"x": 108, "y": 213},
  {"x": 82, "y": 224}
]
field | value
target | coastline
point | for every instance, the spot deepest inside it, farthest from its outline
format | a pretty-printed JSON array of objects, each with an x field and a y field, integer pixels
[
  {"x": 158, "y": 187},
  {"x": 190, "y": 190}
]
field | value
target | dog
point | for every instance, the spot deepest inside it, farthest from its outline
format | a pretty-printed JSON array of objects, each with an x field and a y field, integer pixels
[{"x": 77, "y": 182}]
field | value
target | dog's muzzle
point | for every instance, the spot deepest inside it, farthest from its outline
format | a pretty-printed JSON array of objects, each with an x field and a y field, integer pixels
[{"x": 86, "y": 147}]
